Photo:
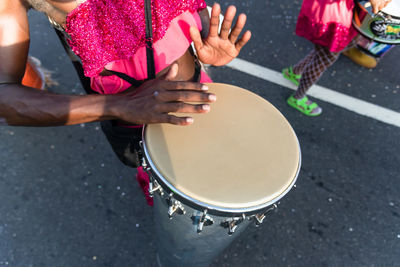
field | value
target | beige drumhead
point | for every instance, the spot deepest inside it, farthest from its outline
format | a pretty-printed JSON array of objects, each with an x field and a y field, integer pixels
[
  {"x": 242, "y": 155},
  {"x": 393, "y": 8}
]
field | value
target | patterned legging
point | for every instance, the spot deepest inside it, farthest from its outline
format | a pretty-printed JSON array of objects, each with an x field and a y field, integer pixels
[{"x": 313, "y": 65}]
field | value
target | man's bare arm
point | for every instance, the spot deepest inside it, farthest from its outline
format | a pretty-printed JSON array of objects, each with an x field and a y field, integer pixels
[{"x": 20, "y": 105}]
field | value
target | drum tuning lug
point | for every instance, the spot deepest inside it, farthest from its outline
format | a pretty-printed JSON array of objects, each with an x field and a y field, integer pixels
[
  {"x": 144, "y": 164},
  {"x": 261, "y": 216},
  {"x": 154, "y": 187},
  {"x": 175, "y": 207},
  {"x": 205, "y": 220},
  {"x": 232, "y": 224},
  {"x": 151, "y": 189},
  {"x": 232, "y": 227}
]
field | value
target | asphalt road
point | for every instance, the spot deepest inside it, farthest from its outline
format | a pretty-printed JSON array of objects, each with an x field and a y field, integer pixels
[{"x": 67, "y": 201}]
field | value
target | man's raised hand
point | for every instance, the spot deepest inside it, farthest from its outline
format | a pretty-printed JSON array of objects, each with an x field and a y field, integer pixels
[{"x": 219, "y": 48}]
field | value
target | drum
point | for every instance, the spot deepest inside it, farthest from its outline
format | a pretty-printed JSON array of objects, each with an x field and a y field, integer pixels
[
  {"x": 373, "y": 48},
  {"x": 384, "y": 27},
  {"x": 213, "y": 178}
]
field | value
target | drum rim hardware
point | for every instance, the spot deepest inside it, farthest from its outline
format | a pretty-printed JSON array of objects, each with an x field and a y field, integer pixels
[
  {"x": 232, "y": 223},
  {"x": 165, "y": 185},
  {"x": 174, "y": 206},
  {"x": 260, "y": 217},
  {"x": 204, "y": 220},
  {"x": 201, "y": 219},
  {"x": 162, "y": 185}
]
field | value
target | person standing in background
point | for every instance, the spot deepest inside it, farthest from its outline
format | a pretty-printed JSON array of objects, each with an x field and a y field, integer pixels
[{"x": 328, "y": 25}]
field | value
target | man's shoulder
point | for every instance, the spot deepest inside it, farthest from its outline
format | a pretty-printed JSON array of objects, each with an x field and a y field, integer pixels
[{"x": 13, "y": 6}]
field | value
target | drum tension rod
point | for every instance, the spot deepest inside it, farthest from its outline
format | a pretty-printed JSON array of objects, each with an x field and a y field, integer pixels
[
  {"x": 261, "y": 216},
  {"x": 174, "y": 206},
  {"x": 205, "y": 220},
  {"x": 144, "y": 165},
  {"x": 154, "y": 187},
  {"x": 233, "y": 223}
]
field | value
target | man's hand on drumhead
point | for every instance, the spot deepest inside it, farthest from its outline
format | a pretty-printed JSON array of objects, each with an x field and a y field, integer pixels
[
  {"x": 378, "y": 5},
  {"x": 220, "y": 48},
  {"x": 156, "y": 99}
]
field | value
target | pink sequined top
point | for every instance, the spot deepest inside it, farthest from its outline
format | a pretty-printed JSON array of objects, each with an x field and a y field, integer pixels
[
  {"x": 327, "y": 23},
  {"x": 172, "y": 46},
  {"x": 103, "y": 31}
]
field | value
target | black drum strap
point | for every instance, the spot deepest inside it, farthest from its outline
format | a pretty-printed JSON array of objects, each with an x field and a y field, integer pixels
[
  {"x": 151, "y": 70},
  {"x": 85, "y": 81}
]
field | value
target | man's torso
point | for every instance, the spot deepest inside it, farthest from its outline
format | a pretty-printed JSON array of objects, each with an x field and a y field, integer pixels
[{"x": 58, "y": 10}]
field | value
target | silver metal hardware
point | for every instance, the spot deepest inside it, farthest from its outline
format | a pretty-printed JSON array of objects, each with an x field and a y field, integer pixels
[
  {"x": 204, "y": 220},
  {"x": 154, "y": 186},
  {"x": 259, "y": 218},
  {"x": 174, "y": 207},
  {"x": 144, "y": 163},
  {"x": 232, "y": 223}
]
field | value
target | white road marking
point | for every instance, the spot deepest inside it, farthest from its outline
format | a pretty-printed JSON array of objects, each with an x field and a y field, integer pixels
[{"x": 348, "y": 102}]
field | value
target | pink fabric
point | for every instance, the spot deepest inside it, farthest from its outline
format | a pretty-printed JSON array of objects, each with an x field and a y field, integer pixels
[
  {"x": 171, "y": 47},
  {"x": 144, "y": 180},
  {"x": 102, "y": 31},
  {"x": 327, "y": 23},
  {"x": 204, "y": 78}
]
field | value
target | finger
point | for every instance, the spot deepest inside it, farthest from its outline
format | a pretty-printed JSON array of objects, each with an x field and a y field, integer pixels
[
  {"x": 185, "y": 86},
  {"x": 386, "y": 3},
  {"x": 382, "y": 5},
  {"x": 196, "y": 38},
  {"x": 180, "y": 107},
  {"x": 378, "y": 6},
  {"x": 172, "y": 119},
  {"x": 242, "y": 41},
  {"x": 186, "y": 96},
  {"x": 241, "y": 21},
  {"x": 227, "y": 22},
  {"x": 214, "y": 20},
  {"x": 172, "y": 72}
]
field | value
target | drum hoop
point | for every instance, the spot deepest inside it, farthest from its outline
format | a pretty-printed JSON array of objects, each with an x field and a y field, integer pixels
[
  {"x": 396, "y": 18},
  {"x": 380, "y": 13},
  {"x": 212, "y": 209},
  {"x": 374, "y": 38}
]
